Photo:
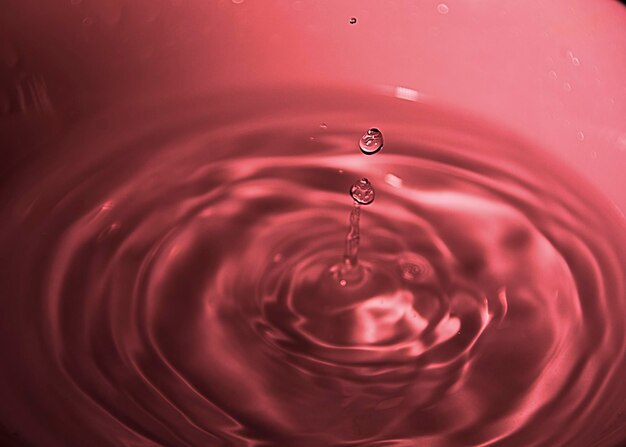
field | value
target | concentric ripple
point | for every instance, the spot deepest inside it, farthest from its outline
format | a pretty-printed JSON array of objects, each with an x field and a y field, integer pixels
[{"x": 169, "y": 282}]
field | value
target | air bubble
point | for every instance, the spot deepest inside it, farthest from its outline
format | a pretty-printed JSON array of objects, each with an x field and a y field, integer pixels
[
  {"x": 362, "y": 192},
  {"x": 371, "y": 142}
]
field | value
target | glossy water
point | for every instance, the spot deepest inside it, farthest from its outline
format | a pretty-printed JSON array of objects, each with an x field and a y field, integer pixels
[{"x": 167, "y": 281}]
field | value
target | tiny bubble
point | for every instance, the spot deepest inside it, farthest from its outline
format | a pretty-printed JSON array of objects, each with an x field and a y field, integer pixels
[
  {"x": 442, "y": 8},
  {"x": 371, "y": 142},
  {"x": 580, "y": 135},
  {"x": 237, "y": 2},
  {"x": 352, "y": 20},
  {"x": 343, "y": 283}
]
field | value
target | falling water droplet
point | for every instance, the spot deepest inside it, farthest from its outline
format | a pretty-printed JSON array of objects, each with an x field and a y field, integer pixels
[
  {"x": 442, "y": 8},
  {"x": 371, "y": 142},
  {"x": 362, "y": 192},
  {"x": 352, "y": 20}
]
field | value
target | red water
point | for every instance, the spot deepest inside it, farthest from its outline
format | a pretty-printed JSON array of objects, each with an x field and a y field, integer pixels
[{"x": 166, "y": 281}]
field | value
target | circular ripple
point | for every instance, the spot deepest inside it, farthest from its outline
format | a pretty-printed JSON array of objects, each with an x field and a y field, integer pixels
[{"x": 171, "y": 283}]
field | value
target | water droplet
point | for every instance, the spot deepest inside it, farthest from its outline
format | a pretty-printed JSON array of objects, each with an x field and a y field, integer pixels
[
  {"x": 393, "y": 180},
  {"x": 552, "y": 74},
  {"x": 362, "y": 192},
  {"x": 575, "y": 61},
  {"x": 343, "y": 283},
  {"x": 567, "y": 86},
  {"x": 352, "y": 20},
  {"x": 371, "y": 142},
  {"x": 442, "y": 8},
  {"x": 323, "y": 126},
  {"x": 237, "y": 2},
  {"x": 580, "y": 135}
]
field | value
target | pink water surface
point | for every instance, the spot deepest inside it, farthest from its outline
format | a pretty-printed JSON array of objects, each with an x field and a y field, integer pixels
[{"x": 174, "y": 203}]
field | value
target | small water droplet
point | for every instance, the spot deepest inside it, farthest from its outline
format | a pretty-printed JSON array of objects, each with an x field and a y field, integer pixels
[
  {"x": 362, "y": 192},
  {"x": 352, "y": 20},
  {"x": 340, "y": 171},
  {"x": 237, "y": 2},
  {"x": 323, "y": 126},
  {"x": 552, "y": 74},
  {"x": 580, "y": 135},
  {"x": 442, "y": 8},
  {"x": 343, "y": 283},
  {"x": 567, "y": 86},
  {"x": 393, "y": 180},
  {"x": 573, "y": 59},
  {"x": 371, "y": 142}
]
